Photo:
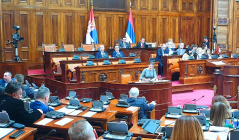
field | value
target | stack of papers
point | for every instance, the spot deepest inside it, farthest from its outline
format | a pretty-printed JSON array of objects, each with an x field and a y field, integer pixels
[
  {"x": 75, "y": 113},
  {"x": 89, "y": 114},
  {"x": 168, "y": 122},
  {"x": 218, "y": 63},
  {"x": 132, "y": 108},
  {"x": 5, "y": 132},
  {"x": 63, "y": 121},
  {"x": 44, "y": 121}
]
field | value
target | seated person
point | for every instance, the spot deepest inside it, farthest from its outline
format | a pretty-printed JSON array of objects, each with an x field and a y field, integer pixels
[
  {"x": 123, "y": 43},
  {"x": 171, "y": 46},
  {"x": 149, "y": 73},
  {"x": 7, "y": 78},
  {"x": 217, "y": 51},
  {"x": 42, "y": 98},
  {"x": 20, "y": 79},
  {"x": 184, "y": 125},
  {"x": 204, "y": 49},
  {"x": 163, "y": 51},
  {"x": 82, "y": 130},
  {"x": 142, "y": 43},
  {"x": 181, "y": 50},
  {"x": 218, "y": 115},
  {"x": 205, "y": 42},
  {"x": 101, "y": 53},
  {"x": 194, "y": 49},
  {"x": 187, "y": 54},
  {"x": 15, "y": 107},
  {"x": 220, "y": 98},
  {"x": 133, "y": 101},
  {"x": 199, "y": 53},
  {"x": 117, "y": 53},
  {"x": 208, "y": 54}
]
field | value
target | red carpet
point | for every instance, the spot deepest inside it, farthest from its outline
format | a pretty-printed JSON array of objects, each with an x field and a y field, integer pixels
[
  {"x": 182, "y": 98},
  {"x": 37, "y": 71},
  {"x": 178, "y": 99}
]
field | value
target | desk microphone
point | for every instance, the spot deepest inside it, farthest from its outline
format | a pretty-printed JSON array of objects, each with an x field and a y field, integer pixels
[
  {"x": 164, "y": 131},
  {"x": 52, "y": 102},
  {"x": 198, "y": 99},
  {"x": 53, "y": 131},
  {"x": 188, "y": 102},
  {"x": 142, "y": 93},
  {"x": 86, "y": 100}
]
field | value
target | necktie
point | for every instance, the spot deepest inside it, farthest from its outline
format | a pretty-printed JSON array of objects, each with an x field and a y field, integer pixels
[{"x": 142, "y": 45}]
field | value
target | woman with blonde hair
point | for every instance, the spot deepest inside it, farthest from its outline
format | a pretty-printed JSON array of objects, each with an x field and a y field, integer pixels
[
  {"x": 219, "y": 114},
  {"x": 187, "y": 128},
  {"x": 220, "y": 98}
]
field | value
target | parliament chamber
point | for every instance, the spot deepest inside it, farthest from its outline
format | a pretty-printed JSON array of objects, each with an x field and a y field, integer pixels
[{"x": 56, "y": 43}]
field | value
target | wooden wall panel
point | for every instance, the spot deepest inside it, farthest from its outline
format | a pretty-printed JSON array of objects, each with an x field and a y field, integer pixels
[{"x": 57, "y": 21}]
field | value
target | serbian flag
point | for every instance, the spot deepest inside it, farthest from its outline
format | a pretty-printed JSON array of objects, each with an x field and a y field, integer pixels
[
  {"x": 130, "y": 35},
  {"x": 91, "y": 35}
]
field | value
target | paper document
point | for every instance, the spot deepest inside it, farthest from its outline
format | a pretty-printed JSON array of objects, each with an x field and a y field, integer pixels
[
  {"x": 132, "y": 108},
  {"x": 5, "y": 132},
  {"x": 75, "y": 113},
  {"x": 218, "y": 63},
  {"x": 219, "y": 129},
  {"x": 89, "y": 114},
  {"x": 167, "y": 122},
  {"x": 105, "y": 106},
  {"x": 44, "y": 121},
  {"x": 63, "y": 121},
  {"x": 65, "y": 110}
]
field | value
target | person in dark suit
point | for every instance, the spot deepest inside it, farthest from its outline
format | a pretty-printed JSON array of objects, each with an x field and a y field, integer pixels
[
  {"x": 142, "y": 44},
  {"x": 7, "y": 78},
  {"x": 117, "y": 53},
  {"x": 123, "y": 43},
  {"x": 20, "y": 79},
  {"x": 101, "y": 53},
  {"x": 12, "y": 104},
  {"x": 161, "y": 52},
  {"x": 42, "y": 98},
  {"x": 205, "y": 42},
  {"x": 144, "y": 107}
]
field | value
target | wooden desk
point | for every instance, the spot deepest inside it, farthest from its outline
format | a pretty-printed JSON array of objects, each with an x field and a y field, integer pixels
[
  {"x": 28, "y": 135},
  {"x": 132, "y": 115},
  {"x": 101, "y": 117},
  {"x": 65, "y": 71},
  {"x": 199, "y": 71},
  {"x": 144, "y": 55},
  {"x": 61, "y": 131}
]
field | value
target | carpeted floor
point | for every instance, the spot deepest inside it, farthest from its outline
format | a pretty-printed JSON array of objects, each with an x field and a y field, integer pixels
[{"x": 178, "y": 99}]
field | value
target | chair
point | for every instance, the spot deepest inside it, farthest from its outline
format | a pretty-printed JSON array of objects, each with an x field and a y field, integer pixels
[
  {"x": 87, "y": 47},
  {"x": 56, "y": 64},
  {"x": 71, "y": 74},
  {"x": 153, "y": 56},
  {"x": 125, "y": 78},
  {"x": 173, "y": 65},
  {"x": 132, "y": 45},
  {"x": 129, "y": 62},
  {"x": 48, "y": 48},
  {"x": 68, "y": 47}
]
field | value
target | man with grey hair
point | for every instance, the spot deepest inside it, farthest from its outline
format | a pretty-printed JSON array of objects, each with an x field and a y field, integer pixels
[
  {"x": 163, "y": 51},
  {"x": 102, "y": 53},
  {"x": 181, "y": 50},
  {"x": 7, "y": 78},
  {"x": 133, "y": 101},
  {"x": 42, "y": 98},
  {"x": 81, "y": 130}
]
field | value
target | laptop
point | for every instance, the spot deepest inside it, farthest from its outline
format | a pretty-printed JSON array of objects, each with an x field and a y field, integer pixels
[
  {"x": 190, "y": 108},
  {"x": 202, "y": 120},
  {"x": 74, "y": 104},
  {"x": 117, "y": 131},
  {"x": 206, "y": 113},
  {"x": 174, "y": 112},
  {"x": 98, "y": 106}
]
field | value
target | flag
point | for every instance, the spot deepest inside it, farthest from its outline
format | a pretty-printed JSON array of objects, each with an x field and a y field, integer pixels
[
  {"x": 130, "y": 35},
  {"x": 91, "y": 35}
]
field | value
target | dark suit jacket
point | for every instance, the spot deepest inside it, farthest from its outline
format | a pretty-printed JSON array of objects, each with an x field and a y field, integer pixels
[
  {"x": 160, "y": 54},
  {"x": 121, "y": 45},
  {"x": 99, "y": 56},
  {"x": 143, "y": 106},
  {"x": 2, "y": 82},
  {"x": 16, "y": 111},
  {"x": 114, "y": 54},
  {"x": 140, "y": 46}
]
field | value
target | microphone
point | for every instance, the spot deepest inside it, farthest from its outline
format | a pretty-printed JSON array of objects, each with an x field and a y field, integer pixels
[
  {"x": 142, "y": 93},
  {"x": 51, "y": 103},
  {"x": 53, "y": 131},
  {"x": 198, "y": 99}
]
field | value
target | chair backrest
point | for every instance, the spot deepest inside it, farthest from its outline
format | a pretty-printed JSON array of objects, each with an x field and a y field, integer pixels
[
  {"x": 69, "y": 47},
  {"x": 87, "y": 47},
  {"x": 153, "y": 56},
  {"x": 48, "y": 48},
  {"x": 57, "y": 60},
  {"x": 72, "y": 66},
  {"x": 174, "y": 62},
  {"x": 129, "y": 62},
  {"x": 125, "y": 78},
  {"x": 132, "y": 45}
]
